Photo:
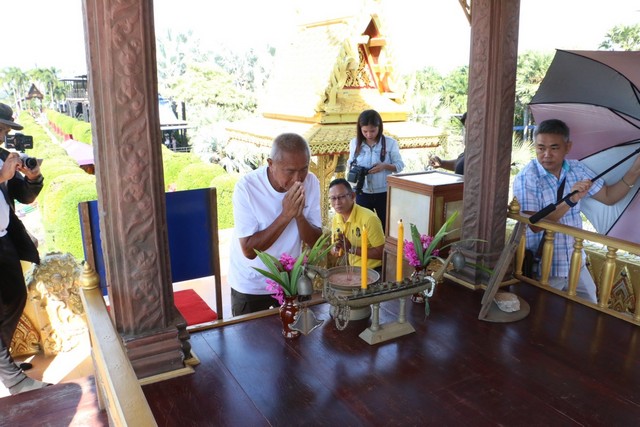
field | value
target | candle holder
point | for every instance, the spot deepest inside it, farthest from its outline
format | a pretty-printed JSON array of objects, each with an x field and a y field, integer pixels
[{"x": 342, "y": 303}]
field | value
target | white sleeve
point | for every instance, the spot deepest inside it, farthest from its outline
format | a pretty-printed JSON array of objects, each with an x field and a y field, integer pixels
[
  {"x": 245, "y": 222},
  {"x": 312, "y": 208}
]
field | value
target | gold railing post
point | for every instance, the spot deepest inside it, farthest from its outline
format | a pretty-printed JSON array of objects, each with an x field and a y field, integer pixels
[
  {"x": 608, "y": 267},
  {"x": 520, "y": 255},
  {"x": 576, "y": 266},
  {"x": 606, "y": 281},
  {"x": 514, "y": 208},
  {"x": 547, "y": 256}
]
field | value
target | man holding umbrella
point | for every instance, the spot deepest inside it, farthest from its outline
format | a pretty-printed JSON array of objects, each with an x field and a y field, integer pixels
[{"x": 548, "y": 179}]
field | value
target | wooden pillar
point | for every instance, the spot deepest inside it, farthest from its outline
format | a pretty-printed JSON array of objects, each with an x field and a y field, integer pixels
[
  {"x": 489, "y": 128},
  {"x": 126, "y": 138}
]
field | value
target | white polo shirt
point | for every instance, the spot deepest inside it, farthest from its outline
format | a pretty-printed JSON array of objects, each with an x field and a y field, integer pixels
[{"x": 256, "y": 204}]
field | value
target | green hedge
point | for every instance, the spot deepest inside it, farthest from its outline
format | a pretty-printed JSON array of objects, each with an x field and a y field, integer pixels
[
  {"x": 82, "y": 132},
  {"x": 224, "y": 185},
  {"x": 174, "y": 163},
  {"x": 66, "y": 184},
  {"x": 198, "y": 175},
  {"x": 80, "y": 129},
  {"x": 60, "y": 214}
]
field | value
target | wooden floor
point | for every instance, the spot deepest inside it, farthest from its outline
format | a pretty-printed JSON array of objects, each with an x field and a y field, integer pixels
[{"x": 563, "y": 365}]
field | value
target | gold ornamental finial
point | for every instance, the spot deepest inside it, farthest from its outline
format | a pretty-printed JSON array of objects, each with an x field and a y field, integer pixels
[
  {"x": 89, "y": 279},
  {"x": 514, "y": 206}
]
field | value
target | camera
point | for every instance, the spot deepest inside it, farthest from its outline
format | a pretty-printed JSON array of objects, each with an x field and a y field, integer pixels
[
  {"x": 18, "y": 141},
  {"x": 357, "y": 175},
  {"x": 28, "y": 162}
]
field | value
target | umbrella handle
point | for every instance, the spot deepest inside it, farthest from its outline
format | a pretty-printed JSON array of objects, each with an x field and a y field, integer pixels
[{"x": 548, "y": 209}]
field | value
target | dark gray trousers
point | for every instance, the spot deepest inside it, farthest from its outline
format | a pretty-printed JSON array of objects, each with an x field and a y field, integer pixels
[{"x": 13, "y": 297}]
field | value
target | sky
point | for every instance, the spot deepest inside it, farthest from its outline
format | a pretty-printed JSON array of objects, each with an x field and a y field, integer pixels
[{"x": 421, "y": 33}]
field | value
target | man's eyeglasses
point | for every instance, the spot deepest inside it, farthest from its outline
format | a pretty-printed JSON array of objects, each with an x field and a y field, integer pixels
[{"x": 336, "y": 198}]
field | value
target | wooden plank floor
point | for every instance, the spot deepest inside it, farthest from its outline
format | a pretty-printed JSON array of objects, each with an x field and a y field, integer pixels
[
  {"x": 564, "y": 364},
  {"x": 72, "y": 403}
]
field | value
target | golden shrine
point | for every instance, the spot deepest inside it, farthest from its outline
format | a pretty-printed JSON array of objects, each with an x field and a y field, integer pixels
[{"x": 323, "y": 79}]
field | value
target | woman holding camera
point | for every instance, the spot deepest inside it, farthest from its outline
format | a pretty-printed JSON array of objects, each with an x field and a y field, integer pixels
[{"x": 372, "y": 157}]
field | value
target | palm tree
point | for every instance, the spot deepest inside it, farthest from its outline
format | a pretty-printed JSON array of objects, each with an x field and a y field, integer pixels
[
  {"x": 532, "y": 67},
  {"x": 622, "y": 37},
  {"x": 14, "y": 82},
  {"x": 48, "y": 78}
]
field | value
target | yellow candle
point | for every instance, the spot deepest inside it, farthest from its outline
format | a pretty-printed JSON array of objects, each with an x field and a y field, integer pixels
[
  {"x": 363, "y": 258},
  {"x": 400, "y": 251}
]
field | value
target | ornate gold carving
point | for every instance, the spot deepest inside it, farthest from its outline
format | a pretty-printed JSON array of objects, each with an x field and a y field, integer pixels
[
  {"x": 362, "y": 77},
  {"x": 26, "y": 340},
  {"x": 54, "y": 290},
  {"x": 324, "y": 169}
]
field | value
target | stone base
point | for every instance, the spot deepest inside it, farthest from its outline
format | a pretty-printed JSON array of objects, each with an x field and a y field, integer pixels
[{"x": 386, "y": 332}]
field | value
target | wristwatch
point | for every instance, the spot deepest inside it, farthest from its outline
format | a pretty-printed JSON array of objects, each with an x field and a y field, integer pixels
[{"x": 569, "y": 202}]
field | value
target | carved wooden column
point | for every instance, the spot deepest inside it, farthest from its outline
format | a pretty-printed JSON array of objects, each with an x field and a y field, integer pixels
[
  {"x": 489, "y": 128},
  {"x": 126, "y": 137}
]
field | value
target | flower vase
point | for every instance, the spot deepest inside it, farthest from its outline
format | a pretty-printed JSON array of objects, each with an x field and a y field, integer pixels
[{"x": 288, "y": 313}]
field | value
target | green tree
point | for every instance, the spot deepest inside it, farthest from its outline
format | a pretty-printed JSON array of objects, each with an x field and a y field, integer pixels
[
  {"x": 622, "y": 37},
  {"x": 211, "y": 94},
  {"x": 425, "y": 94},
  {"x": 47, "y": 79},
  {"x": 14, "y": 82},
  {"x": 173, "y": 54},
  {"x": 532, "y": 67},
  {"x": 250, "y": 69}
]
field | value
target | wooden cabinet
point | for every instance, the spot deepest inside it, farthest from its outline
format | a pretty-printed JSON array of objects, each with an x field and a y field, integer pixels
[{"x": 426, "y": 199}]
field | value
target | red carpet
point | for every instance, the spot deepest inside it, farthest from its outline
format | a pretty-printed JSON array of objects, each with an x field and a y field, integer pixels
[{"x": 193, "y": 308}]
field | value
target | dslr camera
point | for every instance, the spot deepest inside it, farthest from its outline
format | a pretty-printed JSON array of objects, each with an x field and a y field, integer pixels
[
  {"x": 28, "y": 162},
  {"x": 18, "y": 142},
  {"x": 357, "y": 175}
]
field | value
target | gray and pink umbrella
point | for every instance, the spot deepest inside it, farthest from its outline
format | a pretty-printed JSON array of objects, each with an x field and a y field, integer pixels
[{"x": 596, "y": 94}]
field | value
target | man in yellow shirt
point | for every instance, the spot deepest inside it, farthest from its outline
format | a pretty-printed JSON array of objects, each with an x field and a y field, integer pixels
[{"x": 348, "y": 222}]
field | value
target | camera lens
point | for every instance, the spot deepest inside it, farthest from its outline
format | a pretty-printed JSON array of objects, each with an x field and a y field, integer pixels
[{"x": 30, "y": 162}]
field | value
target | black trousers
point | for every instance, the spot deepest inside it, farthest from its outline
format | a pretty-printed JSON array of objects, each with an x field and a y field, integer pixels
[
  {"x": 13, "y": 298},
  {"x": 248, "y": 303},
  {"x": 377, "y": 202}
]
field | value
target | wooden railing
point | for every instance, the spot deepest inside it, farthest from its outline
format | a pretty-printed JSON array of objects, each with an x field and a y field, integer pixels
[
  {"x": 606, "y": 277},
  {"x": 119, "y": 391}
]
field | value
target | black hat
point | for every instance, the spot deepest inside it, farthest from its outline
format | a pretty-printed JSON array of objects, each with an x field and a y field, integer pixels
[{"x": 6, "y": 117}]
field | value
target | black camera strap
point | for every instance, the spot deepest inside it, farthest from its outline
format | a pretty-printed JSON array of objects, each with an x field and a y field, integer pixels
[
  {"x": 383, "y": 152},
  {"x": 560, "y": 193}
]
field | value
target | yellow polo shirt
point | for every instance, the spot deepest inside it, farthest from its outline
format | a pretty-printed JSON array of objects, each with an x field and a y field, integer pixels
[{"x": 360, "y": 216}]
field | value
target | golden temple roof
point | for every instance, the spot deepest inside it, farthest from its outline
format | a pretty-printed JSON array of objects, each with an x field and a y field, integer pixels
[{"x": 323, "y": 79}]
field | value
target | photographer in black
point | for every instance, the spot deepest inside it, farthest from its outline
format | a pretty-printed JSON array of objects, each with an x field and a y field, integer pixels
[{"x": 21, "y": 183}]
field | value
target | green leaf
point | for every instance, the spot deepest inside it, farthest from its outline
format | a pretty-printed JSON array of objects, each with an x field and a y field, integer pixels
[
  {"x": 274, "y": 266},
  {"x": 441, "y": 233},
  {"x": 269, "y": 275},
  {"x": 319, "y": 250},
  {"x": 417, "y": 244},
  {"x": 296, "y": 271}
]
